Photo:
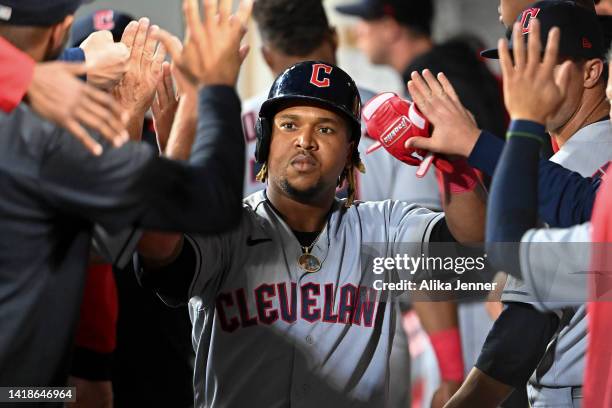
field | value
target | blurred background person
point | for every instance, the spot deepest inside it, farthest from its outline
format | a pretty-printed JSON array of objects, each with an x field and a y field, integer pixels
[
  {"x": 121, "y": 325},
  {"x": 399, "y": 34}
]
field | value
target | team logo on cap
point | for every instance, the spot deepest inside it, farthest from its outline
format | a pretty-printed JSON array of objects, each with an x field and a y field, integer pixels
[
  {"x": 528, "y": 15},
  {"x": 316, "y": 79},
  {"x": 104, "y": 20}
]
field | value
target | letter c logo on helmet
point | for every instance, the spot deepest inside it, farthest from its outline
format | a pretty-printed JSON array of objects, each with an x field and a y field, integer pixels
[
  {"x": 316, "y": 74},
  {"x": 333, "y": 89}
]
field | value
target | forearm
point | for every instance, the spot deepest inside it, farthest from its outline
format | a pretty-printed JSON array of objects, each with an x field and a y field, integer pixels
[
  {"x": 73, "y": 55},
  {"x": 135, "y": 124},
  {"x": 566, "y": 197},
  {"x": 437, "y": 316},
  {"x": 479, "y": 391},
  {"x": 183, "y": 130},
  {"x": 441, "y": 322},
  {"x": 464, "y": 203},
  {"x": 486, "y": 153},
  {"x": 206, "y": 195},
  {"x": 513, "y": 205},
  {"x": 171, "y": 279},
  {"x": 158, "y": 249}
]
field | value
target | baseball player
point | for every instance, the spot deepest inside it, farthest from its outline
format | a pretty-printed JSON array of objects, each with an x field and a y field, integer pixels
[
  {"x": 53, "y": 190},
  {"x": 298, "y": 31},
  {"x": 282, "y": 313},
  {"x": 581, "y": 127},
  {"x": 398, "y": 34},
  {"x": 550, "y": 271}
]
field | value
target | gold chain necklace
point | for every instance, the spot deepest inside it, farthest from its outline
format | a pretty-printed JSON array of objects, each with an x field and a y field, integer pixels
[{"x": 307, "y": 261}]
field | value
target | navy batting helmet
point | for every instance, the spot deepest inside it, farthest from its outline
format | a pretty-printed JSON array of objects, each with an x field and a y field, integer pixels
[{"x": 314, "y": 82}]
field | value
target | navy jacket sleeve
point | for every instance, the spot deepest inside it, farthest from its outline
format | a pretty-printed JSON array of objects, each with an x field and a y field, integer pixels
[
  {"x": 73, "y": 55},
  {"x": 512, "y": 210},
  {"x": 132, "y": 186},
  {"x": 513, "y": 200},
  {"x": 566, "y": 198}
]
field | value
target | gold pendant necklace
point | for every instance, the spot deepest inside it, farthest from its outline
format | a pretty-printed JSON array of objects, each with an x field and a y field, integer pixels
[{"x": 307, "y": 261}]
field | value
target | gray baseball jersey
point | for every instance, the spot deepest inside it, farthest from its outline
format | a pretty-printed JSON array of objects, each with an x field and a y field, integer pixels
[
  {"x": 553, "y": 262},
  {"x": 268, "y": 334},
  {"x": 584, "y": 152},
  {"x": 385, "y": 177}
]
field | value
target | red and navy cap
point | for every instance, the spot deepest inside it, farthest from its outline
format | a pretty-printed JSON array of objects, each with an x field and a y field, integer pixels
[
  {"x": 581, "y": 32},
  {"x": 42, "y": 13},
  {"x": 417, "y": 14},
  {"x": 106, "y": 19}
]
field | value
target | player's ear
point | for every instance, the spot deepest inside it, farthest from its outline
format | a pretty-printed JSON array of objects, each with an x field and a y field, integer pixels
[
  {"x": 60, "y": 31},
  {"x": 593, "y": 71}
]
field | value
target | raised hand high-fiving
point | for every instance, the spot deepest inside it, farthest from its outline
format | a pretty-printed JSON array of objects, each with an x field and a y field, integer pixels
[
  {"x": 532, "y": 89},
  {"x": 136, "y": 90}
]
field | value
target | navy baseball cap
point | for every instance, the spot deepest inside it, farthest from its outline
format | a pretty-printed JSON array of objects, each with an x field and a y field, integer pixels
[
  {"x": 581, "y": 31},
  {"x": 37, "y": 12},
  {"x": 107, "y": 19},
  {"x": 412, "y": 13}
]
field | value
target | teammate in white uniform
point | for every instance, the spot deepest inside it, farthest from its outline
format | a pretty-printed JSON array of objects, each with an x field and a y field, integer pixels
[
  {"x": 557, "y": 384},
  {"x": 585, "y": 153},
  {"x": 283, "y": 308},
  {"x": 578, "y": 120}
]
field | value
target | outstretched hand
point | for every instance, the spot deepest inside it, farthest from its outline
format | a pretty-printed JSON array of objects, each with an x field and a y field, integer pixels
[
  {"x": 455, "y": 131},
  {"x": 57, "y": 94},
  {"x": 528, "y": 70},
  {"x": 107, "y": 61},
  {"x": 211, "y": 54},
  {"x": 136, "y": 90},
  {"x": 164, "y": 107}
]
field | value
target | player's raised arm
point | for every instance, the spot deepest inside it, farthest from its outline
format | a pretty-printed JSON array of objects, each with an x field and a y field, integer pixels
[
  {"x": 188, "y": 69},
  {"x": 53, "y": 90},
  {"x": 513, "y": 208},
  {"x": 567, "y": 198},
  {"x": 464, "y": 197},
  {"x": 203, "y": 194},
  {"x": 136, "y": 90}
]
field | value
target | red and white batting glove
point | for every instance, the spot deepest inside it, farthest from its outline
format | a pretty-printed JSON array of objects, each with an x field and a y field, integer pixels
[{"x": 392, "y": 120}]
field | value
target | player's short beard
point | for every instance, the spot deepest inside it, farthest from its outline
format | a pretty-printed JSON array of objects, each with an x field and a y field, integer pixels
[{"x": 301, "y": 195}]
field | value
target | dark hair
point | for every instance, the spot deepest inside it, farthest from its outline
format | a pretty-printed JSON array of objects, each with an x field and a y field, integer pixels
[{"x": 294, "y": 27}]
